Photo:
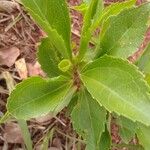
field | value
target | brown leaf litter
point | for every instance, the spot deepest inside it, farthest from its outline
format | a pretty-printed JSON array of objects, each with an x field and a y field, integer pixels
[{"x": 8, "y": 56}]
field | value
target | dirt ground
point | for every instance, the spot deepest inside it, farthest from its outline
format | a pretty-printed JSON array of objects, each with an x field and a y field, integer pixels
[{"x": 19, "y": 39}]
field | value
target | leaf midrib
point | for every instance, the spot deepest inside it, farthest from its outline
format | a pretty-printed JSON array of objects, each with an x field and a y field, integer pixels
[
  {"x": 39, "y": 96},
  {"x": 115, "y": 93},
  {"x": 89, "y": 112}
]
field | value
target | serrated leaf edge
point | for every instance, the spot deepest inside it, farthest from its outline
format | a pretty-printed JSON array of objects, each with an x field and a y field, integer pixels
[
  {"x": 52, "y": 30},
  {"x": 80, "y": 130},
  {"x": 113, "y": 16},
  {"x": 19, "y": 85},
  {"x": 137, "y": 71}
]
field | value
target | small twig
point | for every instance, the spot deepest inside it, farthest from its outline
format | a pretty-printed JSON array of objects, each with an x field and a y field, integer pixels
[
  {"x": 68, "y": 136},
  {"x": 75, "y": 33},
  {"x": 31, "y": 37},
  {"x": 17, "y": 32},
  {"x": 5, "y": 19},
  {"x": 60, "y": 121},
  {"x": 74, "y": 143},
  {"x": 18, "y": 18},
  {"x": 26, "y": 19},
  {"x": 4, "y": 14},
  {"x": 48, "y": 129}
]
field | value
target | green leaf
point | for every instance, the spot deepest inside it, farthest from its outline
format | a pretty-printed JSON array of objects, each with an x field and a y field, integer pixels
[
  {"x": 87, "y": 22},
  {"x": 147, "y": 78},
  {"x": 48, "y": 58},
  {"x": 64, "y": 65},
  {"x": 72, "y": 104},
  {"x": 144, "y": 62},
  {"x": 53, "y": 17},
  {"x": 112, "y": 10},
  {"x": 89, "y": 120},
  {"x": 87, "y": 1},
  {"x": 47, "y": 139},
  {"x": 127, "y": 129},
  {"x": 81, "y": 8},
  {"x": 36, "y": 97},
  {"x": 89, "y": 56},
  {"x": 125, "y": 32},
  {"x": 143, "y": 134},
  {"x": 119, "y": 87},
  {"x": 105, "y": 142}
]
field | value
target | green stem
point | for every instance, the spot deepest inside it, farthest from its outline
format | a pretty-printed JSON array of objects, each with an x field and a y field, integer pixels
[
  {"x": 69, "y": 137},
  {"x": 25, "y": 134},
  {"x": 22, "y": 123},
  {"x": 4, "y": 117}
]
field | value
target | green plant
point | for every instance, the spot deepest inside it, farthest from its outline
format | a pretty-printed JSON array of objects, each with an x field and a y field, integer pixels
[{"x": 100, "y": 78}]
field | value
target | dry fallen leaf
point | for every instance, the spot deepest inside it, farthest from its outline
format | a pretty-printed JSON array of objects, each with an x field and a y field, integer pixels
[
  {"x": 9, "y": 56},
  {"x": 21, "y": 68},
  {"x": 44, "y": 119},
  {"x": 34, "y": 70},
  {"x": 57, "y": 143},
  {"x": 12, "y": 133},
  {"x": 8, "y": 6},
  {"x": 10, "y": 82}
]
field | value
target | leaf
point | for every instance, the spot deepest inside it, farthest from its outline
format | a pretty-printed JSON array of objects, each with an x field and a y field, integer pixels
[
  {"x": 12, "y": 133},
  {"x": 36, "y": 97},
  {"x": 65, "y": 65},
  {"x": 144, "y": 62},
  {"x": 126, "y": 135},
  {"x": 89, "y": 56},
  {"x": 127, "y": 129},
  {"x": 48, "y": 137},
  {"x": 87, "y": 22},
  {"x": 89, "y": 120},
  {"x": 125, "y": 32},
  {"x": 9, "y": 56},
  {"x": 81, "y": 8},
  {"x": 112, "y": 10},
  {"x": 147, "y": 78},
  {"x": 72, "y": 104},
  {"x": 87, "y": 1},
  {"x": 119, "y": 87},
  {"x": 48, "y": 58},
  {"x": 105, "y": 142},
  {"x": 143, "y": 134},
  {"x": 53, "y": 17},
  {"x": 8, "y": 6}
]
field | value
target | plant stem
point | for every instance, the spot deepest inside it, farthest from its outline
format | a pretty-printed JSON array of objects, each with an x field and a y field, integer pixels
[
  {"x": 25, "y": 134},
  {"x": 22, "y": 123},
  {"x": 4, "y": 117},
  {"x": 69, "y": 136}
]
